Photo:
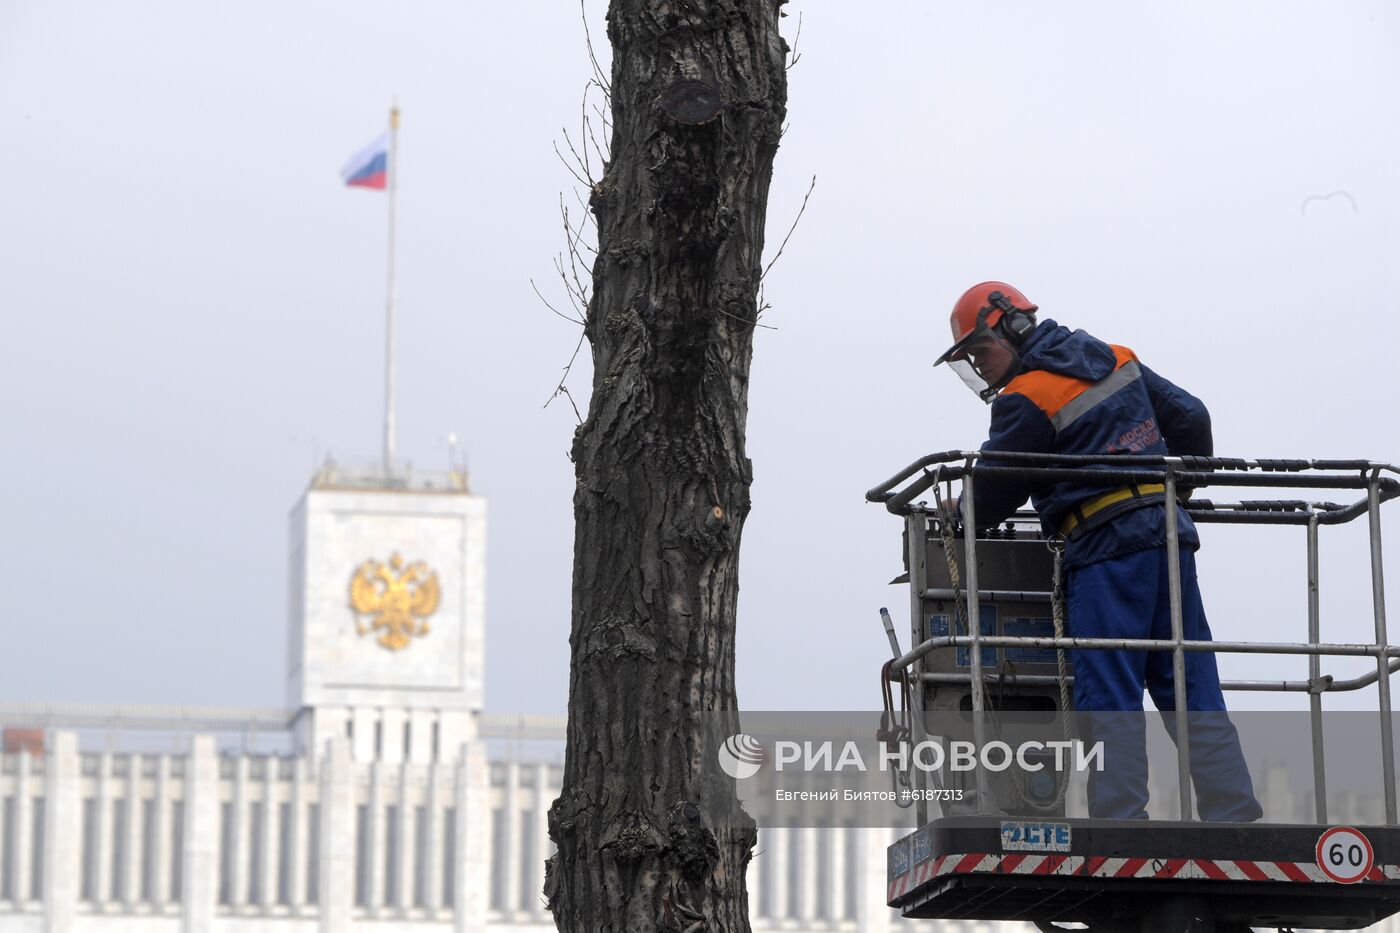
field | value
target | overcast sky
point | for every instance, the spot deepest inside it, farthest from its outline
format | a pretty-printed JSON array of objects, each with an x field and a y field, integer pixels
[{"x": 192, "y": 305}]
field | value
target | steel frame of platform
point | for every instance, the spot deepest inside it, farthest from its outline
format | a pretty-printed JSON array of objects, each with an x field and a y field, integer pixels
[{"x": 1115, "y": 874}]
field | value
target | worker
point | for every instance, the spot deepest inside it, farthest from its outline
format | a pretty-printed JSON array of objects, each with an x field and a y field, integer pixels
[{"x": 1053, "y": 390}]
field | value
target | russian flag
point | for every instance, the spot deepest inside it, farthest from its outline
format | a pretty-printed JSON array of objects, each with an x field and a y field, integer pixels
[{"x": 369, "y": 168}]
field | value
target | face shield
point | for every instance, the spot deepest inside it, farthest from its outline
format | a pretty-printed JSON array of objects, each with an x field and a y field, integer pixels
[{"x": 984, "y": 360}]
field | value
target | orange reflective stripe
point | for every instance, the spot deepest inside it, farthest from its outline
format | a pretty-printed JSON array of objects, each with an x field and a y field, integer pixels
[{"x": 1051, "y": 392}]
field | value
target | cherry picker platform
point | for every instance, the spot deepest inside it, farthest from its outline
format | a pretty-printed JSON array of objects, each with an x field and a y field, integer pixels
[
  {"x": 1011, "y": 853},
  {"x": 1118, "y": 874}
]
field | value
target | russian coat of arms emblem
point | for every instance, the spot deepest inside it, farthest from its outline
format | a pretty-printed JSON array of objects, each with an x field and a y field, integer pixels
[{"x": 398, "y": 600}]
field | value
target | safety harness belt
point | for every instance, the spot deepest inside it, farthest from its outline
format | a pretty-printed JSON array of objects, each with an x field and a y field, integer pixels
[{"x": 1086, "y": 510}]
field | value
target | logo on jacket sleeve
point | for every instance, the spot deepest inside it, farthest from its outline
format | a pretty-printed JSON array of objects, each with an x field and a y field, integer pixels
[{"x": 1139, "y": 437}]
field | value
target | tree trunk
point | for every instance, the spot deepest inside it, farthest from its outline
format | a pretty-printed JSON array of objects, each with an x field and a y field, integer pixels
[{"x": 699, "y": 94}]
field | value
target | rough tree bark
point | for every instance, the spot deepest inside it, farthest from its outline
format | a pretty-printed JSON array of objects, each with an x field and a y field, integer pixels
[{"x": 699, "y": 95}]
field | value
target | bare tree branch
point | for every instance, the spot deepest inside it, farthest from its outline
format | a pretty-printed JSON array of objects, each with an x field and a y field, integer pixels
[
  {"x": 790, "y": 229},
  {"x": 561, "y": 388},
  {"x": 552, "y": 308},
  {"x": 597, "y": 68},
  {"x": 607, "y": 123},
  {"x": 796, "y": 56},
  {"x": 572, "y": 171},
  {"x": 754, "y": 322},
  {"x": 588, "y": 125},
  {"x": 579, "y": 160},
  {"x": 588, "y": 217},
  {"x": 575, "y": 237}
]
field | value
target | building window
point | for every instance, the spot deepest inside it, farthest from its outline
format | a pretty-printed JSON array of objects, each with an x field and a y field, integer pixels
[
  {"x": 148, "y": 851},
  {"x": 284, "y": 853},
  {"x": 795, "y": 854},
  {"x": 177, "y": 851},
  {"x": 36, "y": 854},
  {"x": 500, "y": 899},
  {"x": 257, "y": 813},
  {"x": 226, "y": 853},
  {"x": 449, "y": 857},
  {"x": 391, "y": 855},
  {"x": 527, "y": 861},
  {"x": 362, "y": 855},
  {"x": 120, "y": 813},
  {"x": 421, "y": 858},
  {"x": 87, "y": 884},
  {"x": 313, "y": 853},
  {"x": 852, "y": 873}
]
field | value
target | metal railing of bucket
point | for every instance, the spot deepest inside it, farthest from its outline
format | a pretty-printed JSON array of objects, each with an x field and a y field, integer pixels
[{"x": 1378, "y": 481}]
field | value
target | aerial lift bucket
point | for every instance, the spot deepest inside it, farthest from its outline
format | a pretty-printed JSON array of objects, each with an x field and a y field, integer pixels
[{"x": 1009, "y": 852}]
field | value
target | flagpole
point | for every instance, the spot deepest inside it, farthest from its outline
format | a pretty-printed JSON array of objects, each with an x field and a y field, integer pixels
[{"x": 392, "y": 297}]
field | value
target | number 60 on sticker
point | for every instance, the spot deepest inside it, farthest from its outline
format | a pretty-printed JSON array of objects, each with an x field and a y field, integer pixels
[{"x": 1344, "y": 854}]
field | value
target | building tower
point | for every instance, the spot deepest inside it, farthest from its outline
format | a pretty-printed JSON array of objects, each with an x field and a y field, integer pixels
[{"x": 386, "y": 614}]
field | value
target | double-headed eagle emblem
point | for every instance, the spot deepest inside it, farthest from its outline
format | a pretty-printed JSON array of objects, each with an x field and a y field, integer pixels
[{"x": 399, "y": 599}]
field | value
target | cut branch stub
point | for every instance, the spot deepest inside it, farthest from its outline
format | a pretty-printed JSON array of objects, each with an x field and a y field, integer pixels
[{"x": 691, "y": 102}]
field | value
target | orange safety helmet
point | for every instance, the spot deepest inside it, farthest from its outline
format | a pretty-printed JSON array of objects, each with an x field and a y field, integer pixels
[
  {"x": 977, "y": 309},
  {"x": 992, "y": 310}
]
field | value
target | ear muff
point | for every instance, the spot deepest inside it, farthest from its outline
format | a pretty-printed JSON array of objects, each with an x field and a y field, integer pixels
[{"x": 1015, "y": 322}]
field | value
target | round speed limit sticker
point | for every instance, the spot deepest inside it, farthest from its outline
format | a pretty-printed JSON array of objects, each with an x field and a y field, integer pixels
[{"x": 1345, "y": 855}]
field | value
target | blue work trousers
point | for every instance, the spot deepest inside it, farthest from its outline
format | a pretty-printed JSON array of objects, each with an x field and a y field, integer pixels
[{"x": 1128, "y": 597}]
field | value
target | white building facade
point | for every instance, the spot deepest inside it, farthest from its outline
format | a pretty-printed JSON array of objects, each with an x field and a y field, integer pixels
[
  {"x": 101, "y": 841},
  {"x": 392, "y": 803}
]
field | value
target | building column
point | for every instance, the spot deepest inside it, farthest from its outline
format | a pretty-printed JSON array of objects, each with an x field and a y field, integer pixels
[
  {"x": 63, "y": 836},
  {"x": 131, "y": 835},
  {"x": 22, "y": 838},
  {"x": 238, "y": 848},
  {"x": 160, "y": 837},
  {"x": 872, "y": 913},
  {"x": 271, "y": 833},
  {"x": 374, "y": 840},
  {"x": 420, "y": 726},
  {"x": 508, "y": 862},
  {"x": 835, "y": 896},
  {"x": 323, "y": 724},
  {"x": 754, "y": 879},
  {"x": 104, "y": 852},
  {"x": 539, "y": 841},
  {"x": 1279, "y": 800},
  {"x": 392, "y": 722},
  {"x": 779, "y": 842},
  {"x": 296, "y": 851},
  {"x": 474, "y": 855},
  {"x": 362, "y": 721},
  {"x": 807, "y": 893},
  {"x": 432, "y": 856},
  {"x": 337, "y": 843},
  {"x": 200, "y": 873},
  {"x": 455, "y": 729},
  {"x": 405, "y": 845}
]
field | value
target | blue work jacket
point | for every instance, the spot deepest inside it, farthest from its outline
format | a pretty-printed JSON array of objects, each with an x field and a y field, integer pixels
[{"x": 1076, "y": 394}]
